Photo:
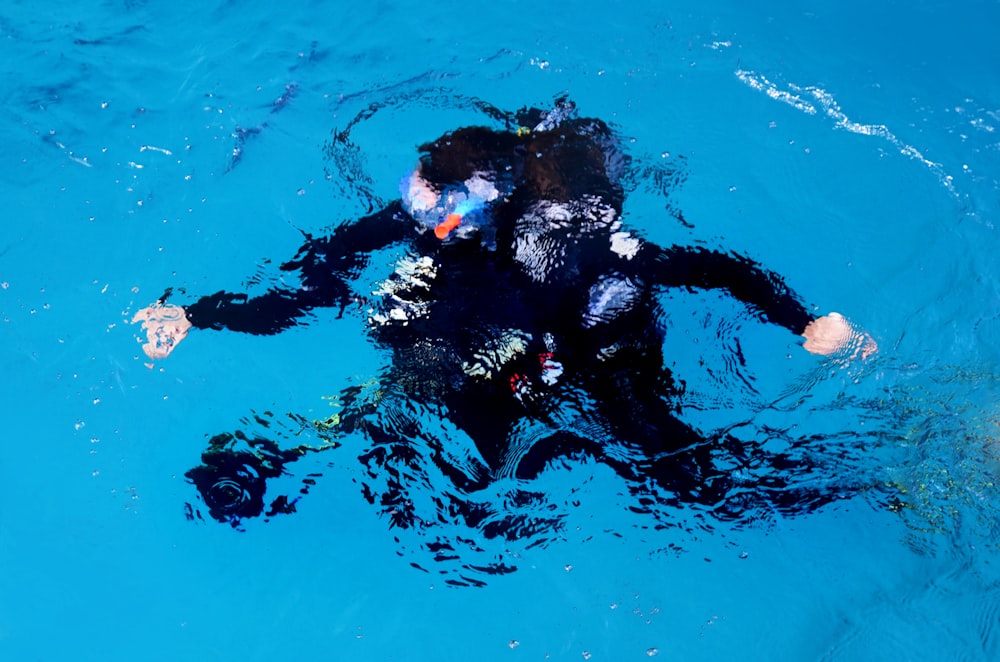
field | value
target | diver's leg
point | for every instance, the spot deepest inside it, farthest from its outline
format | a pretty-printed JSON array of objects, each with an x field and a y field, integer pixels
[
  {"x": 486, "y": 413},
  {"x": 730, "y": 476},
  {"x": 634, "y": 397}
]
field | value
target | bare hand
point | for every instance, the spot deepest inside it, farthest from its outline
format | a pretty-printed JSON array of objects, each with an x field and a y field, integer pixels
[
  {"x": 419, "y": 195},
  {"x": 166, "y": 325},
  {"x": 834, "y": 334}
]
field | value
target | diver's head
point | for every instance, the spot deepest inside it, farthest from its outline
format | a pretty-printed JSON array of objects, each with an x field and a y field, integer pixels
[
  {"x": 459, "y": 155},
  {"x": 452, "y": 210}
]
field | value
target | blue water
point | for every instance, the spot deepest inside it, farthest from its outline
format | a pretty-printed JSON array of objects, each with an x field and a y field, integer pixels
[{"x": 853, "y": 148}]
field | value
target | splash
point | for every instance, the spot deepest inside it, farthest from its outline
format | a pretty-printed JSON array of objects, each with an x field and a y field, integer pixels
[{"x": 813, "y": 100}]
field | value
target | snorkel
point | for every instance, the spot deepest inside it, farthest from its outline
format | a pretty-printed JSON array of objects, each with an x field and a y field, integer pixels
[
  {"x": 452, "y": 220},
  {"x": 459, "y": 205}
]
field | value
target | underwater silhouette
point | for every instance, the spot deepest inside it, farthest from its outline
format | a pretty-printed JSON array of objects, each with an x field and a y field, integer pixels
[{"x": 525, "y": 326}]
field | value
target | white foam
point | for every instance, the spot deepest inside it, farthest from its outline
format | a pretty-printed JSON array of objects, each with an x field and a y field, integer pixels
[{"x": 814, "y": 100}]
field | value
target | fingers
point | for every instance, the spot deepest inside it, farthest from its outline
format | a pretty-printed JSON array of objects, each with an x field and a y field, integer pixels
[
  {"x": 162, "y": 341},
  {"x": 868, "y": 346}
]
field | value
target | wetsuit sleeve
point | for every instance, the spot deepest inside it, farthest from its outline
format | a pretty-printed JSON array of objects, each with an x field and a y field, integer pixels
[
  {"x": 697, "y": 268},
  {"x": 325, "y": 266}
]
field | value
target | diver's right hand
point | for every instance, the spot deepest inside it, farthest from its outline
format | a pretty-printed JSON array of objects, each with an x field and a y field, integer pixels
[{"x": 166, "y": 325}]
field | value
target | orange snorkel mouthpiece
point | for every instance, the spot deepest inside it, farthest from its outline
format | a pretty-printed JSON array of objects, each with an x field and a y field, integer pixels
[{"x": 447, "y": 225}]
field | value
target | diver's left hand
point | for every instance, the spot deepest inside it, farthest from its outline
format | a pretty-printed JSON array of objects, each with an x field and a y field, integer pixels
[
  {"x": 166, "y": 325},
  {"x": 833, "y": 333}
]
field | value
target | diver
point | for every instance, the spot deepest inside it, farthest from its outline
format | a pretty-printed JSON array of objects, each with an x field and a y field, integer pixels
[{"x": 518, "y": 295}]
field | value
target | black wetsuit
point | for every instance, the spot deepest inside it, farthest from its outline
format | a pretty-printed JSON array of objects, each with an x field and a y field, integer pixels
[{"x": 548, "y": 300}]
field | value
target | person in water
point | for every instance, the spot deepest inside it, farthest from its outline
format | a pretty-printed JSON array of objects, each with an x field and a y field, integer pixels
[{"x": 526, "y": 314}]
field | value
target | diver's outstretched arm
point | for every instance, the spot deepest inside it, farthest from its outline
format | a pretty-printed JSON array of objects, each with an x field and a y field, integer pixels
[
  {"x": 325, "y": 265},
  {"x": 699, "y": 268},
  {"x": 267, "y": 314}
]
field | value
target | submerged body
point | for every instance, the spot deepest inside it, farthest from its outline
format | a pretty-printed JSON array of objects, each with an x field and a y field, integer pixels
[{"x": 520, "y": 297}]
